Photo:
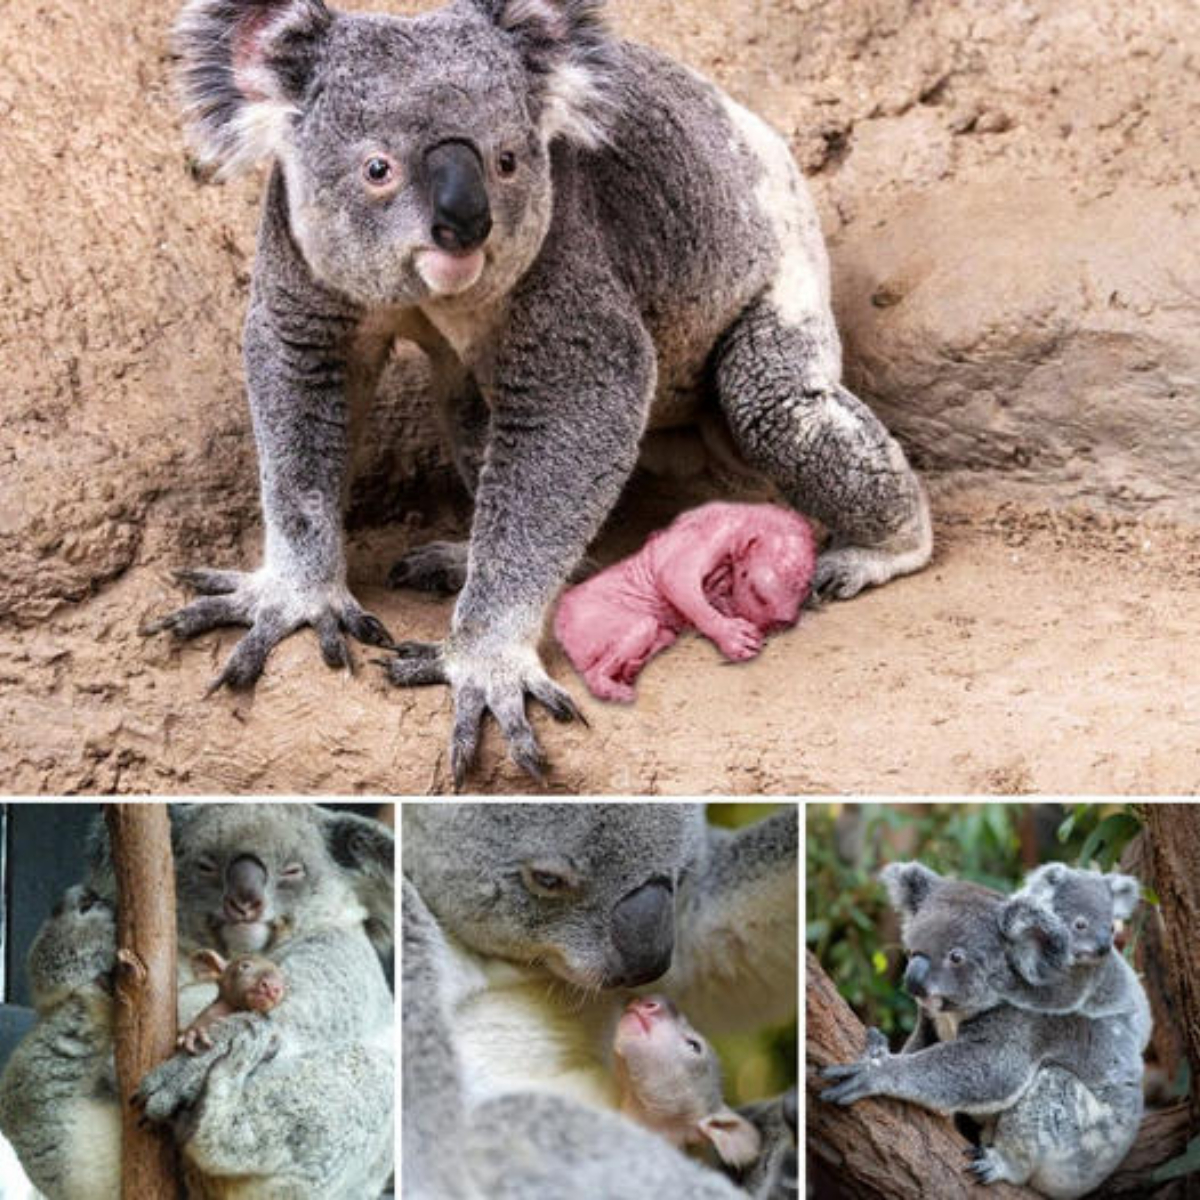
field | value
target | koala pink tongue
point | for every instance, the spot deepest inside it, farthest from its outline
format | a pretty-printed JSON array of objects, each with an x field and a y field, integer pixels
[{"x": 447, "y": 274}]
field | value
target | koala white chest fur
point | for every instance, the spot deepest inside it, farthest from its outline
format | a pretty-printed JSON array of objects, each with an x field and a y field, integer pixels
[{"x": 517, "y": 1029}]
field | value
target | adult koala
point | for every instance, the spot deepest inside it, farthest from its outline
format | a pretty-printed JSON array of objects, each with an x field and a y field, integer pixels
[
  {"x": 587, "y": 239},
  {"x": 999, "y": 1037},
  {"x": 525, "y": 926},
  {"x": 295, "y": 1103}
]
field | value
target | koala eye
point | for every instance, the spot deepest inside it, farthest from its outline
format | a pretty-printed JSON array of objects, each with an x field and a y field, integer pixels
[
  {"x": 957, "y": 957},
  {"x": 244, "y": 966},
  {"x": 1081, "y": 924},
  {"x": 379, "y": 171},
  {"x": 694, "y": 1045},
  {"x": 292, "y": 873},
  {"x": 506, "y": 163},
  {"x": 206, "y": 865},
  {"x": 552, "y": 882}
]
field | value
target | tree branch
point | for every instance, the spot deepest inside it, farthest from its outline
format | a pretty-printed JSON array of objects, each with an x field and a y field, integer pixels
[{"x": 145, "y": 1002}]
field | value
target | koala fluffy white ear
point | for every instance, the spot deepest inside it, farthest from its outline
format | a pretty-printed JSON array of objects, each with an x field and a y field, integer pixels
[
  {"x": 566, "y": 47},
  {"x": 243, "y": 68},
  {"x": 909, "y": 885},
  {"x": 1042, "y": 882},
  {"x": 1126, "y": 892},
  {"x": 736, "y": 1140}
]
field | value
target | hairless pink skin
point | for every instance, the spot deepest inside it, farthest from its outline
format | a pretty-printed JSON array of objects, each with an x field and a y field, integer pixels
[
  {"x": 248, "y": 983},
  {"x": 734, "y": 572}
]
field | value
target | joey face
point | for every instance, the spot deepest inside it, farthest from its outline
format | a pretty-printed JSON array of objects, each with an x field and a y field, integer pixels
[
  {"x": 585, "y": 891},
  {"x": 770, "y": 583}
]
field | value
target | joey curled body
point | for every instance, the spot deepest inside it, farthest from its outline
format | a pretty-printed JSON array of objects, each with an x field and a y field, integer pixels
[{"x": 734, "y": 572}]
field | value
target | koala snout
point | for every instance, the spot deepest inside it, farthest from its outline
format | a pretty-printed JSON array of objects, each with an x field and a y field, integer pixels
[
  {"x": 643, "y": 935},
  {"x": 245, "y": 882},
  {"x": 915, "y": 976},
  {"x": 462, "y": 214}
]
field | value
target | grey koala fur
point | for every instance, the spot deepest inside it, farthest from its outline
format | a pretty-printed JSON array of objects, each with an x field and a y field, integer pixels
[
  {"x": 58, "y": 1091},
  {"x": 774, "y": 1175},
  {"x": 1062, "y": 1092},
  {"x": 525, "y": 927},
  {"x": 649, "y": 245},
  {"x": 297, "y": 1103}
]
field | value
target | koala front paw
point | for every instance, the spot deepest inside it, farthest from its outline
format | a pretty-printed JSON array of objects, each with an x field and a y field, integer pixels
[
  {"x": 738, "y": 640},
  {"x": 271, "y": 608},
  {"x": 987, "y": 1165},
  {"x": 483, "y": 682},
  {"x": 853, "y": 1082},
  {"x": 171, "y": 1086}
]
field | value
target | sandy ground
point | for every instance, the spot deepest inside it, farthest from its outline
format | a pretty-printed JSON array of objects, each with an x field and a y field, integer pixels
[
  {"x": 1040, "y": 652},
  {"x": 1008, "y": 190}
]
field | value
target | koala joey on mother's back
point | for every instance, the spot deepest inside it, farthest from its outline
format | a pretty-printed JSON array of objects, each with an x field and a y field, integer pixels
[
  {"x": 58, "y": 1092},
  {"x": 586, "y": 238},
  {"x": 1060, "y": 1092},
  {"x": 525, "y": 927}
]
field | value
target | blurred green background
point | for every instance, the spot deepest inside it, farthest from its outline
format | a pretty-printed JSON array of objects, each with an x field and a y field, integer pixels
[
  {"x": 762, "y": 1064},
  {"x": 850, "y": 925}
]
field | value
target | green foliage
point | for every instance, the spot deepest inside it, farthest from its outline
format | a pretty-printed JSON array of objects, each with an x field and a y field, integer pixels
[{"x": 851, "y": 927}]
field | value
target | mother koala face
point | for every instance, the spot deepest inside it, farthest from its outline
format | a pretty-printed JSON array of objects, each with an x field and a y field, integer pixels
[
  {"x": 586, "y": 892},
  {"x": 415, "y": 151},
  {"x": 952, "y": 933}
]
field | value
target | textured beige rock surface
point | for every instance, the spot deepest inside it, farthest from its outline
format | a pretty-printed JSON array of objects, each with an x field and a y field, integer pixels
[{"x": 1010, "y": 192}]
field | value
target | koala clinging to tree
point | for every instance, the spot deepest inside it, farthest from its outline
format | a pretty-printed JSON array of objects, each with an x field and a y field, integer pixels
[
  {"x": 1061, "y": 1093},
  {"x": 58, "y": 1093},
  {"x": 587, "y": 239},
  {"x": 297, "y": 1104},
  {"x": 525, "y": 926}
]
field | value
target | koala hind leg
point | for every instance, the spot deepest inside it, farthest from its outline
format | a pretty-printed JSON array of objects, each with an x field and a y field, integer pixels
[
  {"x": 441, "y": 567},
  {"x": 829, "y": 454}
]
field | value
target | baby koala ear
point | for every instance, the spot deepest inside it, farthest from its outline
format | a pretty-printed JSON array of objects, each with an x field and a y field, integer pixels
[
  {"x": 909, "y": 885},
  {"x": 1038, "y": 943},
  {"x": 207, "y": 964},
  {"x": 1126, "y": 892},
  {"x": 567, "y": 51},
  {"x": 244, "y": 66},
  {"x": 736, "y": 1140},
  {"x": 1043, "y": 882}
]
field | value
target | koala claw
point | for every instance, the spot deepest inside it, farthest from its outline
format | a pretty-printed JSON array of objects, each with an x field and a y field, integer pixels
[
  {"x": 852, "y": 1082},
  {"x": 271, "y": 609},
  {"x": 983, "y": 1165},
  {"x": 483, "y": 684},
  {"x": 439, "y": 567}
]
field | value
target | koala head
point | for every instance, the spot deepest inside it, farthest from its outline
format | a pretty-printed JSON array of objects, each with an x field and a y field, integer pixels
[
  {"x": 771, "y": 578},
  {"x": 669, "y": 1078},
  {"x": 585, "y": 891},
  {"x": 415, "y": 150},
  {"x": 952, "y": 933},
  {"x": 74, "y": 949},
  {"x": 1085, "y": 903}
]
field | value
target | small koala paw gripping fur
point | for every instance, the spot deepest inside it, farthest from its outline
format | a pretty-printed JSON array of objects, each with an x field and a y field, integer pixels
[{"x": 734, "y": 572}]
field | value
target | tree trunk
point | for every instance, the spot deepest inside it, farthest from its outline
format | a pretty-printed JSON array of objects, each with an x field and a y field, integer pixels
[
  {"x": 1172, "y": 833},
  {"x": 884, "y": 1149},
  {"x": 145, "y": 1008}
]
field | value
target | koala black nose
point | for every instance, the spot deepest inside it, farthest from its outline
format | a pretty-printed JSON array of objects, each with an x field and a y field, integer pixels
[
  {"x": 462, "y": 216},
  {"x": 916, "y": 974},
  {"x": 643, "y": 935}
]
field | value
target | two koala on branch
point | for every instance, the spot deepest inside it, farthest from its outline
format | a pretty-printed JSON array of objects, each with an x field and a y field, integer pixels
[
  {"x": 587, "y": 239},
  {"x": 1029, "y": 1020}
]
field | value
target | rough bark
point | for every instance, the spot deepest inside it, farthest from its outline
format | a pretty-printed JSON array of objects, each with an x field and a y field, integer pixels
[
  {"x": 882, "y": 1149},
  {"x": 145, "y": 1021},
  {"x": 1172, "y": 833}
]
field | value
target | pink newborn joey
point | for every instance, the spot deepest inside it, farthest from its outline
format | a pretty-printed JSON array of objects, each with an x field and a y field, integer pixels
[
  {"x": 734, "y": 572},
  {"x": 669, "y": 1080},
  {"x": 248, "y": 983}
]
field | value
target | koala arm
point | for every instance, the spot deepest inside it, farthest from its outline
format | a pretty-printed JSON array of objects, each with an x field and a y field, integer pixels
[
  {"x": 570, "y": 385},
  {"x": 301, "y": 357},
  {"x": 984, "y": 1070},
  {"x": 434, "y": 1116},
  {"x": 737, "y": 924}
]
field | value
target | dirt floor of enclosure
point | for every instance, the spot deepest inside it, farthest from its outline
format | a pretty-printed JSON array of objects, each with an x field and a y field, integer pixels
[{"x": 1041, "y": 651}]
